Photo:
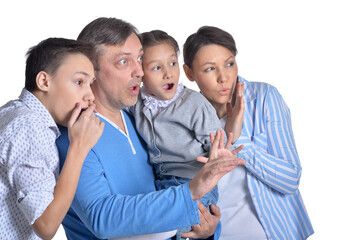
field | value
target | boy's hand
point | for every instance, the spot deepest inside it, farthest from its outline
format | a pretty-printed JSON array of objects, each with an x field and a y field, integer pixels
[
  {"x": 235, "y": 117},
  {"x": 84, "y": 128}
]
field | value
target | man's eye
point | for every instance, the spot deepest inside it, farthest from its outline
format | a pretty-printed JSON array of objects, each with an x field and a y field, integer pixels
[
  {"x": 123, "y": 61},
  {"x": 140, "y": 58}
]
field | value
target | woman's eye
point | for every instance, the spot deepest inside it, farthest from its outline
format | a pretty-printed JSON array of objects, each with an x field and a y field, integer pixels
[
  {"x": 229, "y": 64},
  {"x": 209, "y": 69}
]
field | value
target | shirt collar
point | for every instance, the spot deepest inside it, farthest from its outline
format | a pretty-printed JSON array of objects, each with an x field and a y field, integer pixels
[{"x": 35, "y": 105}]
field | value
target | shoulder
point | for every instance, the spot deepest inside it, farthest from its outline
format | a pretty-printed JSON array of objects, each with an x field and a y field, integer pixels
[
  {"x": 194, "y": 97},
  {"x": 19, "y": 120}
]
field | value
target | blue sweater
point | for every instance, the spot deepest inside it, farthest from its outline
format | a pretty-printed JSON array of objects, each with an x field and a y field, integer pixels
[{"x": 116, "y": 195}]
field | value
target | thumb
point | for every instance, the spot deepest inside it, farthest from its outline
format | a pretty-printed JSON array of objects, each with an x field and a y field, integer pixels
[
  {"x": 74, "y": 115},
  {"x": 202, "y": 159},
  {"x": 215, "y": 210}
]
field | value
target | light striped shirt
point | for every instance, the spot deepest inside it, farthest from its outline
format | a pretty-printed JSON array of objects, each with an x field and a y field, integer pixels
[{"x": 272, "y": 163}]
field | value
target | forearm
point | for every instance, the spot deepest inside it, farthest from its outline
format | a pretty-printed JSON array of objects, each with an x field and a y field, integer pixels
[
  {"x": 115, "y": 216},
  {"x": 48, "y": 223}
]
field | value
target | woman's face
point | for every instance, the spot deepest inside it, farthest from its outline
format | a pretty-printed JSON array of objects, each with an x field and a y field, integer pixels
[{"x": 215, "y": 72}]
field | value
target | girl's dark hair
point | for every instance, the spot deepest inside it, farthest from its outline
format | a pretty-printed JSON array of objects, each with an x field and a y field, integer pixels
[
  {"x": 207, "y": 35},
  {"x": 155, "y": 37},
  {"x": 48, "y": 56}
]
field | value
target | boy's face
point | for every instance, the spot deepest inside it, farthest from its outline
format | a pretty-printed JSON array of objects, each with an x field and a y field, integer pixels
[
  {"x": 161, "y": 71},
  {"x": 68, "y": 86}
]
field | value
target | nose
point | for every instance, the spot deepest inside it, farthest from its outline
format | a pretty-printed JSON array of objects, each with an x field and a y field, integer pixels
[
  {"x": 89, "y": 96},
  {"x": 222, "y": 77},
  {"x": 138, "y": 70},
  {"x": 167, "y": 73}
]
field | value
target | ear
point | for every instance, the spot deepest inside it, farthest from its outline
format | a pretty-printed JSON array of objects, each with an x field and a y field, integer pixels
[
  {"x": 43, "y": 81},
  {"x": 188, "y": 72}
]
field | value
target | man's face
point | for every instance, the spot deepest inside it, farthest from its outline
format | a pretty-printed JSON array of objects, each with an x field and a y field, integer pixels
[
  {"x": 70, "y": 85},
  {"x": 118, "y": 80}
]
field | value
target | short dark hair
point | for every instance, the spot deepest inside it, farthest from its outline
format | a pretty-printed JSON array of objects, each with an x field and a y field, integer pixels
[
  {"x": 207, "y": 35},
  {"x": 155, "y": 37},
  {"x": 107, "y": 31},
  {"x": 48, "y": 56}
]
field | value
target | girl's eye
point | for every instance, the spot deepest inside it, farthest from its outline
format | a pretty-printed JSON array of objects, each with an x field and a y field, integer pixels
[
  {"x": 173, "y": 64},
  {"x": 156, "y": 68},
  {"x": 79, "y": 82}
]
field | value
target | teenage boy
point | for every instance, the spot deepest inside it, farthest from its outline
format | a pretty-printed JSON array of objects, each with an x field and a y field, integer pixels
[{"x": 34, "y": 197}]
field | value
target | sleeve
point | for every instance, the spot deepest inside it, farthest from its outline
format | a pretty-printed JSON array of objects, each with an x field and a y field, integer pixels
[
  {"x": 271, "y": 155},
  {"x": 109, "y": 215},
  {"x": 29, "y": 172},
  {"x": 206, "y": 121}
]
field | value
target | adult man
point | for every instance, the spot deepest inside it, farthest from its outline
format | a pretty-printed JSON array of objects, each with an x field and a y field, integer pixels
[{"x": 116, "y": 196}]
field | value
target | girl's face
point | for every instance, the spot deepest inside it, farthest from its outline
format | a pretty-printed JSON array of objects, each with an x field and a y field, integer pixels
[
  {"x": 161, "y": 71},
  {"x": 215, "y": 72}
]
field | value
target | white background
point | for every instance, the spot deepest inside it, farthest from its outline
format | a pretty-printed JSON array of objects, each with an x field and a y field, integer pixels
[{"x": 309, "y": 50}]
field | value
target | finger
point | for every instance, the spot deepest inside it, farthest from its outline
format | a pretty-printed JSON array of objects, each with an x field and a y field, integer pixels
[
  {"x": 202, "y": 159},
  {"x": 238, "y": 149},
  {"x": 190, "y": 234},
  {"x": 214, "y": 146},
  {"x": 221, "y": 142},
  {"x": 74, "y": 115},
  {"x": 89, "y": 111},
  {"x": 229, "y": 140},
  {"x": 229, "y": 110},
  {"x": 215, "y": 210},
  {"x": 212, "y": 138},
  {"x": 205, "y": 213}
]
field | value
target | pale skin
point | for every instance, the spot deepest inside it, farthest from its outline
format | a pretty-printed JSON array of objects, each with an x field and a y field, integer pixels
[
  {"x": 65, "y": 94},
  {"x": 117, "y": 87}
]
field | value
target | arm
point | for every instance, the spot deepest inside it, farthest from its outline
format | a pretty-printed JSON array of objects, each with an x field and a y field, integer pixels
[
  {"x": 272, "y": 156},
  {"x": 83, "y": 133},
  {"x": 109, "y": 214}
]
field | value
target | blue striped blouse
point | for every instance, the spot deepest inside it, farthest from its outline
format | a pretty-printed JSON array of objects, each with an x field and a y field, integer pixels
[{"x": 273, "y": 166}]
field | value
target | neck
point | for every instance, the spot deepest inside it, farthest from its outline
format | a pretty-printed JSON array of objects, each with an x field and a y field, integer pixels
[
  {"x": 113, "y": 114},
  {"x": 221, "y": 109}
]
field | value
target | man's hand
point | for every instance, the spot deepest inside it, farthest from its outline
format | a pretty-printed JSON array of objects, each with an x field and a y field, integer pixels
[
  {"x": 235, "y": 117},
  {"x": 221, "y": 161},
  {"x": 208, "y": 223}
]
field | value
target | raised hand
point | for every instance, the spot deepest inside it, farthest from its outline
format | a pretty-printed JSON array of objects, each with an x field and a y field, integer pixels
[
  {"x": 235, "y": 117},
  {"x": 221, "y": 161}
]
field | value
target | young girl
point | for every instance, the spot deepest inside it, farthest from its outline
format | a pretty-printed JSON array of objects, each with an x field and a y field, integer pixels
[{"x": 174, "y": 121}]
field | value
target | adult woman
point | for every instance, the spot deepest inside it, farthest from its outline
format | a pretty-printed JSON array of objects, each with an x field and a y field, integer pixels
[{"x": 259, "y": 200}]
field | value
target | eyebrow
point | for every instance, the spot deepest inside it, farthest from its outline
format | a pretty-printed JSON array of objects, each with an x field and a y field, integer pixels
[
  {"x": 214, "y": 63},
  {"x": 127, "y": 53},
  {"x": 156, "y": 60},
  {"x": 83, "y": 73}
]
